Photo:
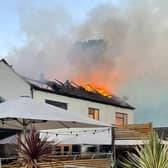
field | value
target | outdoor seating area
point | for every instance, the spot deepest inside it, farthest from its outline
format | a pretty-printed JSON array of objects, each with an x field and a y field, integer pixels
[
  {"x": 29, "y": 115},
  {"x": 127, "y": 135}
]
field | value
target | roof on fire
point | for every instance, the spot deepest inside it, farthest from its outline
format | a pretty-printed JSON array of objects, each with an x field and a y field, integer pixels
[{"x": 70, "y": 89}]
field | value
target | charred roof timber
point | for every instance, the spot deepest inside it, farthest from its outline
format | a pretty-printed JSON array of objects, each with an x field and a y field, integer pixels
[{"x": 71, "y": 89}]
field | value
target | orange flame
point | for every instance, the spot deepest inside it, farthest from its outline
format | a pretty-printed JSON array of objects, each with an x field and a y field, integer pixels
[
  {"x": 105, "y": 83},
  {"x": 98, "y": 90}
]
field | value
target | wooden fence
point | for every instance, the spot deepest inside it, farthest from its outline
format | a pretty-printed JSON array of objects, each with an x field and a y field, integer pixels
[
  {"x": 87, "y": 163},
  {"x": 133, "y": 132}
]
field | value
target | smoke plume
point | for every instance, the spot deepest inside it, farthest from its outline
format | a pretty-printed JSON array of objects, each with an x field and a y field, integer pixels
[{"x": 115, "y": 44}]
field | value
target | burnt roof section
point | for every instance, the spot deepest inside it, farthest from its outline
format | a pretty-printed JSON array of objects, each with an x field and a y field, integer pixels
[{"x": 71, "y": 89}]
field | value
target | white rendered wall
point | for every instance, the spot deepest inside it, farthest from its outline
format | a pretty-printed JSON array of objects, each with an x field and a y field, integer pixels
[
  {"x": 11, "y": 85},
  {"x": 106, "y": 112}
]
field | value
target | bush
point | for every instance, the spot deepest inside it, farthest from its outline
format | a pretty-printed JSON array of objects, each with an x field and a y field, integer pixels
[
  {"x": 32, "y": 149},
  {"x": 152, "y": 154}
]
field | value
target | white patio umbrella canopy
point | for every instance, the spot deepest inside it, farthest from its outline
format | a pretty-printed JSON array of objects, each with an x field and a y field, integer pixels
[{"x": 21, "y": 112}]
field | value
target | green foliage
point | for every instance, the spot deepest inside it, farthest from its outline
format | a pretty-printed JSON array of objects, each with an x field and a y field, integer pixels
[{"x": 153, "y": 154}]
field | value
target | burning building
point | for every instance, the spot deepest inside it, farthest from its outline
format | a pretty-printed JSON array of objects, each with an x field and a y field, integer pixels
[{"x": 84, "y": 100}]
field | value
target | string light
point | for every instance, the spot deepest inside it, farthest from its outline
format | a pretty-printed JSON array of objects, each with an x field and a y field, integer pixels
[{"x": 77, "y": 133}]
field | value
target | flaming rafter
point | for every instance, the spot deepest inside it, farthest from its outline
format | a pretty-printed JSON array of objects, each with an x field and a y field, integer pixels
[{"x": 101, "y": 91}]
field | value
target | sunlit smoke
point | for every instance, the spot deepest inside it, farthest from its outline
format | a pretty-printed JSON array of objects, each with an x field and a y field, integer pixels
[{"x": 125, "y": 42}]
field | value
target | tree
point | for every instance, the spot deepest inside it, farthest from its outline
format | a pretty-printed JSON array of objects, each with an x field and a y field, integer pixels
[{"x": 152, "y": 154}]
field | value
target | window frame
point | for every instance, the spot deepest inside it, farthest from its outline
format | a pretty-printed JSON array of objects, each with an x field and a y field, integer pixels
[
  {"x": 124, "y": 118},
  {"x": 58, "y": 104},
  {"x": 94, "y": 110}
]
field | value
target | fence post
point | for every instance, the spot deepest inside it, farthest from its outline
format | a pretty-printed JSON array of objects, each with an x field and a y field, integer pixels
[
  {"x": 0, "y": 163},
  {"x": 113, "y": 152}
]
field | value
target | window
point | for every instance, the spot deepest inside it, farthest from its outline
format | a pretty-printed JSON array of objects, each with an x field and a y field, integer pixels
[
  {"x": 92, "y": 149},
  {"x": 121, "y": 119},
  {"x": 57, "y": 104},
  {"x": 93, "y": 113},
  {"x": 76, "y": 149},
  {"x": 66, "y": 150}
]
